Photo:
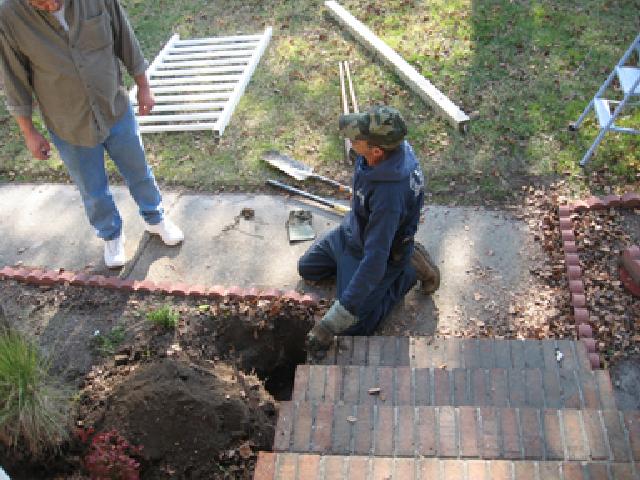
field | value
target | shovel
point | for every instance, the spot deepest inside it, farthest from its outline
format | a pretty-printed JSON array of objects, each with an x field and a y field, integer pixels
[
  {"x": 298, "y": 170},
  {"x": 337, "y": 207}
]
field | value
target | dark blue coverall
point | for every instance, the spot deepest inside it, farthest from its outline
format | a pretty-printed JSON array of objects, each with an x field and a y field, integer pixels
[{"x": 370, "y": 252}]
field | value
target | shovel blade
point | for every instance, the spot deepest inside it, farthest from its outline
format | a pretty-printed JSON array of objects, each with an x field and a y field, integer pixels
[{"x": 288, "y": 165}]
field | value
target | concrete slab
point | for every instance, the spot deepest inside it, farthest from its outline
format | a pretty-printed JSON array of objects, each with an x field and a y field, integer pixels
[
  {"x": 223, "y": 248},
  {"x": 484, "y": 256},
  {"x": 45, "y": 225}
]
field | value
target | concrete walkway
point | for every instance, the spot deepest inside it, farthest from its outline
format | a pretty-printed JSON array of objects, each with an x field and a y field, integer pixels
[{"x": 45, "y": 226}]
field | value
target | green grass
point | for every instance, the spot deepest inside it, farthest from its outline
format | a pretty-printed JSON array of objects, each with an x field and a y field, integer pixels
[
  {"x": 164, "y": 317},
  {"x": 108, "y": 343},
  {"x": 527, "y": 69},
  {"x": 34, "y": 410}
]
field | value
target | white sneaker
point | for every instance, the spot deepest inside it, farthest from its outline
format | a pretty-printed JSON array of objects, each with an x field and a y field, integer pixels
[
  {"x": 114, "y": 256},
  {"x": 168, "y": 231}
]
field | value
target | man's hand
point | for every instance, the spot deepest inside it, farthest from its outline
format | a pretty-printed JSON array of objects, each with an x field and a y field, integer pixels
[
  {"x": 33, "y": 139},
  {"x": 335, "y": 321},
  {"x": 146, "y": 101},
  {"x": 38, "y": 145},
  {"x": 145, "y": 96}
]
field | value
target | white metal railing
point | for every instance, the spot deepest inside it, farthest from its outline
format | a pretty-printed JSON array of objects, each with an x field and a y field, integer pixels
[{"x": 197, "y": 83}]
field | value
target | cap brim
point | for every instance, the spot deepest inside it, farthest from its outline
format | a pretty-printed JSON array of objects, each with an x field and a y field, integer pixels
[{"x": 349, "y": 118}]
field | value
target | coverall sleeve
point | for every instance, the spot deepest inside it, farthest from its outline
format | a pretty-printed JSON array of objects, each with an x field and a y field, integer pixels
[
  {"x": 378, "y": 238},
  {"x": 126, "y": 45},
  {"x": 16, "y": 76}
]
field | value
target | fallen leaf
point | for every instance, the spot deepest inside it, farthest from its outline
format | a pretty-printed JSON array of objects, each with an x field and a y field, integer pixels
[{"x": 245, "y": 450}]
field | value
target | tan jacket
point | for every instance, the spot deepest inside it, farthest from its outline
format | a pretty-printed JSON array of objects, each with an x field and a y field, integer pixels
[{"x": 75, "y": 76}]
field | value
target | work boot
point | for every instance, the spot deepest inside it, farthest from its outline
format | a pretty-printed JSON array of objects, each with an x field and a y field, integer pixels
[{"x": 428, "y": 272}]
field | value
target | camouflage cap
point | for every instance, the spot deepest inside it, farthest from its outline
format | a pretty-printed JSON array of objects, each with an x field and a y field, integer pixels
[{"x": 381, "y": 125}]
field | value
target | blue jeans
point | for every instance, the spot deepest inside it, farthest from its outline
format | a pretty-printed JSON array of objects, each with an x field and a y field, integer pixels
[
  {"x": 87, "y": 169},
  {"x": 331, "y": 255}
]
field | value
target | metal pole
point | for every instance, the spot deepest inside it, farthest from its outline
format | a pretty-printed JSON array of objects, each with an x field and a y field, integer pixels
[{"x": 352, "y": 91}]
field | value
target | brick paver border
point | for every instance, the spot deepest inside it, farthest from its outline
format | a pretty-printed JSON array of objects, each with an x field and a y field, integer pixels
[
  {"x": 38, "y": 276},
  {"x": 572, "y": 260}
]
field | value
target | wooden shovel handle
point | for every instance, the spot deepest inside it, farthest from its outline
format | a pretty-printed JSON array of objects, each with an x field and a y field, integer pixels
[
  {"x": 340, "y": 186},
  {"x": 345, "y": 110},
  {"x": 352, "y": 91}
]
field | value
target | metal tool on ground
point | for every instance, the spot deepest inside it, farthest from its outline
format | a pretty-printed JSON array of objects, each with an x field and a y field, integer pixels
[
  {"x": 298, "y": 170},
  {"x": 629, "y": 80},
  {"x": 300, "y": 226},
  {"x": 347, "y": 83},
  {"x": 338, "y": 207}
]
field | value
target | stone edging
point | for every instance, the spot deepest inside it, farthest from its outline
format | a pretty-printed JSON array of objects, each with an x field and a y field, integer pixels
[
  {"x": 37, "y": 276},
  {"x": 572, "y": 260}
]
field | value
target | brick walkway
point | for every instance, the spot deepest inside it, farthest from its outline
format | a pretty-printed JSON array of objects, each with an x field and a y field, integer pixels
[{"x": 381, "y": 408}]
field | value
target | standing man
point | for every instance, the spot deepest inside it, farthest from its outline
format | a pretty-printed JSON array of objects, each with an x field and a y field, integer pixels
[
  {"x": 372, "y": 253},
  {"x": 67, "y": 54}
]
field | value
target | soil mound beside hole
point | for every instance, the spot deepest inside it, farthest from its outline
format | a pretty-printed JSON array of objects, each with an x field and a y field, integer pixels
[{"x": 189, "y": 417}]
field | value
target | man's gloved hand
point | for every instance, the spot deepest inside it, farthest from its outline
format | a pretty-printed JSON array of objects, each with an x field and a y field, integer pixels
[{"x": 335, "y": 321}]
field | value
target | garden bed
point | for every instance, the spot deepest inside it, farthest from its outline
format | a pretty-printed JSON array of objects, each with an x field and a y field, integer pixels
[
  {"x": 200, "y": 398},
  {"x": 601, "y": 236}
]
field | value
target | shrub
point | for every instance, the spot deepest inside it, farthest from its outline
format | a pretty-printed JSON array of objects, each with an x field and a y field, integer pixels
[
  {"x": 163, "y": 317},
  {"x": 110, "y": 457},
  {"x": 34, "y": 409}
]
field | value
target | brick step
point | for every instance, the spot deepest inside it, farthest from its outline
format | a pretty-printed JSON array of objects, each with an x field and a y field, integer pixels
[
  {"x": 458, "y": 432},
  {"x": 293, "y": 466},
  {"x": 477, "y": 386},
  {"x": 428, "y": 352}
]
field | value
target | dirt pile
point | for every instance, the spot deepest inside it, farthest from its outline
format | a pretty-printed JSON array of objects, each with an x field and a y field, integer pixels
[
  {"x": 199, "y": 398},
  {"x": 190, "y": 418}
]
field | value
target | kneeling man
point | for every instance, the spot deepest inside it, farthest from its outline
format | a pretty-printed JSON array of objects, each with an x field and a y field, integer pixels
[{"x": 372, "y": 253}]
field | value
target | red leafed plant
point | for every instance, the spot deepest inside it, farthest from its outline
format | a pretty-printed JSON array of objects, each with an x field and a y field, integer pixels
[{"x": 110, "y": 456}]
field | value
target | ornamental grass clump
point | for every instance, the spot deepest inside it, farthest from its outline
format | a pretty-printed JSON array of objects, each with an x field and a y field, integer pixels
[{"x": 34, "y": 408}]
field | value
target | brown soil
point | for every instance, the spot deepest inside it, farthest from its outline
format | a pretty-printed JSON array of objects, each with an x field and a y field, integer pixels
[
  {"x": 193, "y": 397},
  {"x": 191, "y": 418}
]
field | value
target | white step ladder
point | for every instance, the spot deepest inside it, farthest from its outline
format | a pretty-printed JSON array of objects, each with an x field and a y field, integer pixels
[{"x": 629, "y": 79}]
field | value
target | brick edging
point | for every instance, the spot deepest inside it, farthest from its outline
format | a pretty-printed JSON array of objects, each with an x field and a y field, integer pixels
[
  {"x": 38, "y": 276},
  {"x": 572, "y": 260}
]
